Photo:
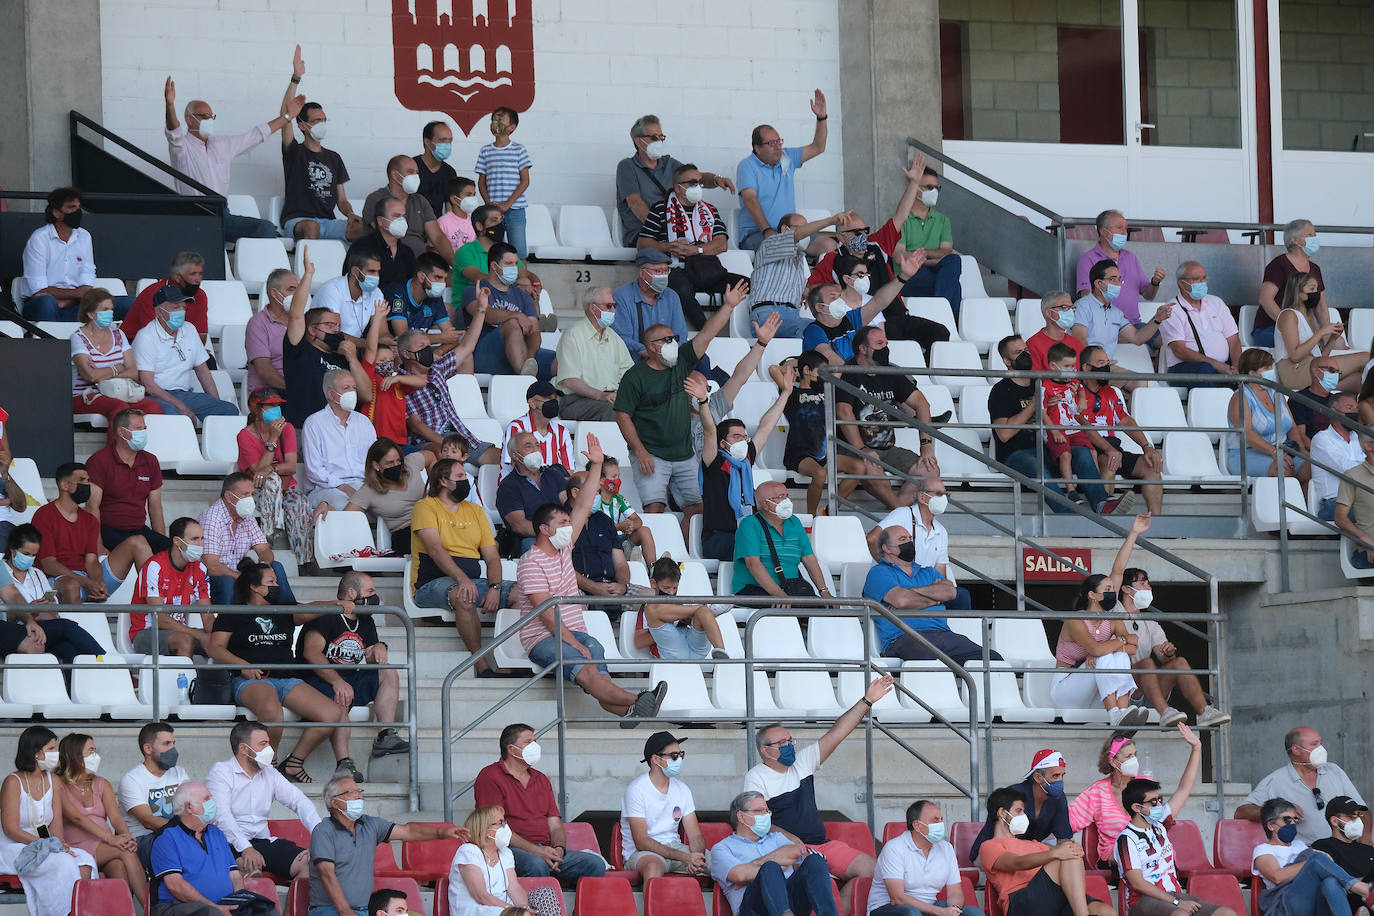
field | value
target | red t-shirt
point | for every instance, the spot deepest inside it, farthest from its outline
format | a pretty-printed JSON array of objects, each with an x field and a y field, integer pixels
[
  {"x": 160, "y": 579},
  {"x": 528, "y": 808},
  {"x": 143, "y": 311},
  {"x": 885, "y": 238},
  {"x": 124, "y": 502},
  {"x": 67, "y": 542},
  {"x": 1039, "y": 345},
  {"x": 387, "y": 409}
]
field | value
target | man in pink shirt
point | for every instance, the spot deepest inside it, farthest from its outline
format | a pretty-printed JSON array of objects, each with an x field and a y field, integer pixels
[
  {"x": 1111, "y": 242},
  {"x": 546, "y": 569},
  {"x": 262, "y": 338}
]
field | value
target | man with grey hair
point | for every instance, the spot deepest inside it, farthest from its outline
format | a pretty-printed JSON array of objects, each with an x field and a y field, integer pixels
[
  {"x": 336, "y": 440},
  {"x": 188, "y": 268},
  {"x": 1308, "y": 774},
  {"x": 1200, "y": 336},
  {"x": 266, "y": 330},
  {"x": 763, "y": 871},
  {"x": 1112, "y": 233},
  {"x": 192, "y": 865},
  {"x": 1058, "y": 311},
  {"x": 343, "y": 848},
  {"x": 642, "y": 180},
  {"x": 591, "y": 360},
  {"x": 1300, "y": 244}
]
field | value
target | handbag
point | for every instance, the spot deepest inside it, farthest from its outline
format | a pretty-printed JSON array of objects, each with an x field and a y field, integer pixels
[
  {"x": 705, "y": 271},
  {"x": 122, "y": 389},
  {"x": 796, "y": 587},
  {"x": 212, "y": 688},
  {"x": 249, "y": 903}
]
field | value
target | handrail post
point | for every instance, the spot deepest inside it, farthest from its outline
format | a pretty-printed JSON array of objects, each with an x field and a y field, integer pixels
[
  {"x": 562, "y": 710},
  {"x": 1016, "y": 560},
  {"x": 1280, "y": 459},
  {"x": 1040, "y": 451},
  {"x": 831, "y": 469}
]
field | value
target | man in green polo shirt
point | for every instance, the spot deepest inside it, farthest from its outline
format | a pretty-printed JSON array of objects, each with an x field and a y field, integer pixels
[
  {"x": 654, "y": 412},
  {"x": 470, "y": 260},
  {"x": 927, "y": 228}
]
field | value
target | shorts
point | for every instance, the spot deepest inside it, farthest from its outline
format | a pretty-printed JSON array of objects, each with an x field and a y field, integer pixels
[
  {"x": 900, "y": 458},
  {"x": 838, "y": 856},
  {"x": 1153, "y": 906},
  {"x": 365, "y": 684},
  {"x": 336, "y": 229},
  {"x": 792, "y": 460},
  {"x": 675, "y": 866},
  {"x": 1076, "y": 440},
  {"x": 277, "y": 855},
  {"x": 282, "y": 685},
  {"x": 143, "y": 641},
  {"x": 675, "y": 641},
  {"x": 545, "y": 652},
  {"x": 112, "y": 582},
  {"x": 434, "y": 593},
  {"x": 1041, "y": 897},
  {"x": 679, "y": 476},
  {"x": 1128, "y": 459}
]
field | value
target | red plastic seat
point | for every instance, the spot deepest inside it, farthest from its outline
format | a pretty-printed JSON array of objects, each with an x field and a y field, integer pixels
[
  {"x": 427, "y": 860},
  {"x": 1089, "y": 844},
  {"x": 854, "y": 834},
  {"x": 673, "y": 895},
  {"x": 298, "y": 898},
  {"x": 713, "y": 832},
  {"x": 859, "y": 890},
  {"x": 1233, "y": 845},
  {"x": 581, "y": 835},
  {"x": 892, "y": 830},
  {"x": 1097, "y": 887},
  {"x": 102, "y": 897},
  {"x": 384, "y": 865},
  {"x": 530, "y": 884},
  {"x": 970, "y": 894},
  {"x": 261, "y": 885},
  {"x": 441, "y": 896},
  {"x": 617, "y": 856},
  {"x": 961, "y": 837},
  {"x": 1218, "y": 888},
  {"x": 1190, "y": 855},
  {"x": 604, "y": 897},
  {"x": 290, "y": 829},
  {"x": 411, "y": 888},
  {"x": 1256, "y": 891}
]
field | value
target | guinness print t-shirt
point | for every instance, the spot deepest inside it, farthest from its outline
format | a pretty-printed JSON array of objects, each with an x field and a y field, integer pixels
[{"x": 262, "y": 640}]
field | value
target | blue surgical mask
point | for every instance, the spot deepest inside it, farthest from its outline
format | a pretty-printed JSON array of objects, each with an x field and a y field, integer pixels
[
  {"x": 1112, "y": 291},
  {"x": 1158, "y": 814},
  {"x": 1287, "y": 833},
  {"x": 1270, "y": 375},
  {"x": 353, "y": 808},
  {"x": 762, "y": 824},
  {"x": 22, "y": 562},
  {"x": 138, "y": 439},
  {"x": 1311, "y": 245},
  {"x": 271, "y": 414},
  {"x": 1054, "y": 789},
  {"x": 211, "y": 811},
  {"x": 442, "y": 151},
  {"x": 605, "y": 319},
  {"x": 509, "y": 275},
  {"x": 1118, "y": 240},
  {"x": 1064, "y": 318},
  {"x": 369, "y": 282},
  {"x": 175, "y": 320},
  {"x": 1330, "y": 380},
  {"x": 673, "y": 768},
  {"x": 104, "y": 318},
  {"x": 936, "y": 832},
  {"x": 1199, "y": 289},
  {"x": 787, "y": 754},
  {"x": 658, "y": 282}
]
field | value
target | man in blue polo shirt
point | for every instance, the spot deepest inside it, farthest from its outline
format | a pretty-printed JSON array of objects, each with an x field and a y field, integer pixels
[
  {"x": 530, "y": 484},
  {"x": 899, "y": 583},
  {"x": 418, "y": 304},
  {"x": 764, "y": 873},
  {"x": 193, "y": 866},
  {"x": 765, "y": 178}
]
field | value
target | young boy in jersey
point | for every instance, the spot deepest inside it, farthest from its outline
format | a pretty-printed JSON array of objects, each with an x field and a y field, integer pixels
[
  {"x": 1146, "y": 858},
  {"x": 621, "y": 513},
  {"x": 387, "y": 406},
  {"x": 1060, "y": 402},
  {"x": 678, "y": 630}
]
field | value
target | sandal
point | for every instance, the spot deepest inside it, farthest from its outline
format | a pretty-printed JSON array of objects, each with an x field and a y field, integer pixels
[{"x": 293, "y": 768}]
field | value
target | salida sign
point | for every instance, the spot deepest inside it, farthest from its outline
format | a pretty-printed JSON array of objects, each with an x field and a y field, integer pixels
[{"x": 1037, "y": 567}]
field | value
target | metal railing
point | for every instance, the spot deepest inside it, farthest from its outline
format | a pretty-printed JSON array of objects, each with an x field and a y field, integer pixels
[{"x": 152, "y": 668}]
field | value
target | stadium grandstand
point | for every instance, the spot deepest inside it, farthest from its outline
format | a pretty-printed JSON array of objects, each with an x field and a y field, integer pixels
[{"x": 923, "y": 433}]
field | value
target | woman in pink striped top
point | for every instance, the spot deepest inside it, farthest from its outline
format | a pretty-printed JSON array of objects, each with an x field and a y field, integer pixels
[{"x": 100, "y": 352}]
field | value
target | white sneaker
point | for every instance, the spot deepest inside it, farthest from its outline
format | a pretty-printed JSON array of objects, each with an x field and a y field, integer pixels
[
  {"x": 1172, "y": 717},
  {"x": 719, "y": 653},
  {"x": 1211, "y": 716},
  {"x": 1135, "y": 715},
  {"x": 1115, "y": 715}
]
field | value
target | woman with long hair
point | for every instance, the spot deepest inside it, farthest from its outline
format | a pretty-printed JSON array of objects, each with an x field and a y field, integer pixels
[
  {"x": 392, "y": 485},
  {"x": 1301, "y": 337},
  {"x": 1254, "y": 410},
  {"x": 93, "y": 820}
]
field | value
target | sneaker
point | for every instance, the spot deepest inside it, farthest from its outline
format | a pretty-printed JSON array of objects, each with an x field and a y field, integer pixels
[
  {"x": 719, "y": 653},
  {"x": 1172, "y": 717},
  {"x": 348, "y": 766},
  {"x": 548, "y": 322},
  {"x": 531, "y": 367},
  {"x": 1211, "y": 716},
  {"x": 1135, "y": 715},
  {"x": 647, "y": 704},
  {"x": 1076, "y": 496},
  {"x": 1114, "y": 716},
  {"x": 942, "y": 417},
  {"x": 1122, "y": 505},
  {"x": 389, "y": 741},
  {"x": 719, "y": 609}
]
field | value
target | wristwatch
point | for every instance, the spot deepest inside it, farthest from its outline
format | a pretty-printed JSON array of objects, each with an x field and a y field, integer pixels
[
  {"x": 699, "y": 249},
  {"x": 1177, "y": 902}
]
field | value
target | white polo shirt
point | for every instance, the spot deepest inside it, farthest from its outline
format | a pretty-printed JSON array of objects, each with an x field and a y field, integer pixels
[
  {"x": 49, "y": 261},
  {"x": 172, "y": 360},
  {"x": 1331, "y": 449},
  {"x": 923, "y": 876},
  {"x": 932, "y": 544},
  {"x": 354, "y": 314}
]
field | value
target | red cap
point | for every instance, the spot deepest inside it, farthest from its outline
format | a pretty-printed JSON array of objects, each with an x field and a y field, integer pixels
[{"x": 1044, "y": 759}]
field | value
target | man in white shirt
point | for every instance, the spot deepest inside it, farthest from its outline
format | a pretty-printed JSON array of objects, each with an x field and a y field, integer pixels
[
  {"x": 918, "y": 870},
  {"x": 197, "y": 149},
  {"x": 245, "y": 786},
  {"x": 59, "y": 263},
  {"x": 655, "y": 807},
  {"x": 145, "y": 792},
  {"x": 930, "y": 537},
  {"x": 1200, "y": 337},
  {"x": 169, "y": 354},
  {"x": 336, "y": 442},
  {"x": 1337, "y": 446},
  {"x": 356, "y": 294}
]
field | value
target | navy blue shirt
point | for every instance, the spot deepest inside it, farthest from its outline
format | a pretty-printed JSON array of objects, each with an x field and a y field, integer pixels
[
  {"x": 1051, "y": 820},
  {"x": 593, "y": 552},
  {"x": 204, "y": 864},
  {"x": 518, "y": 493},
  {"x": 418, "y": 316}
]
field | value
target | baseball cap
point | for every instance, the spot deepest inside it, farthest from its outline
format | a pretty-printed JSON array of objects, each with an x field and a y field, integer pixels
[
  {"x": 265, "y": 396},
  {"x": 1343, "y": 805},
  {"x": 657, "y": 742},
  {"x": 171, "y": 293},
  {"x": 651, "y": 256},
  {"x": 541, "y": 389},
  {"x": 1044, "y": 759}
]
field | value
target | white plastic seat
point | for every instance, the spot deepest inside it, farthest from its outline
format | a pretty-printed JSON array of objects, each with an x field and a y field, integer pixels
[
  {"x": 694, "y": 545},
  {"x": 113, "y": 285},
  {"x": 339, "y": 532},
  {"x": 778, "y": 637},
  {"x": 752, "y": 403},
  {"x": 686, "y": 697},
  {"x": 1029, "y": 318},
  {"x": 467, "y": 397},
  {"x": 939, "y": 397},
  {"x": 667, "y": 532},
  {"x": 1361, "y": 327},
  {"x": 808, "y": 694},
  {"x": 1021, "y": 641},
  {"x": 172, "y": 438},
  {"x": 488, "y": 478},
  {"x": 254, "y": 259},
  {"x": 226, "y": 303},
  {"x": 725, "y": 576},
  {"x": 971, "y": 280},
  {"x": 220, "y": 449},
  {"x": 1133, "y": 358},
  {"x": 973, "y": 409},
  {"x": 541, "y": 240},
  {"x": 727, "y": 690},
  {"x": 1264, "y": 506},
  {"x": 486, "y": 429},
  {"x": 24, "y": 471},
  {"x": 413, "y": 610},
  {"x": 109, "y": 688},
  {"x": 599, "y": 628},
  {"x": 95, "y": 624},
  {"x": 1037, "y": 687},
  {"x": 955, "y": 354},
  {"x": 933, "y": 308},
  {"x": 1247, "y": 324},
  {"x": 968, "y": 627},
  {"x": 327, "y": 255},
  {"x": 1348, "y": 567},
  {"x": 274, "y": 205},
  {"x": 737, "y": 260},
  {"x": 1157, "y": 410},
  {"x": 777, "y": 350},
  {"x": 835, "y": 637},
  {"x": 839, "y": 539},
  {"x": 1191, "y": 456},
  {"x": 853, "y": 684},
  {"x": 243, "y": 205},
  {"x": 232, "y": 352},
  {"x": 908, "y": 354},
  {"x": 1006, "y": 696},
  {"x": 725, "y": 353},
  {"x": 628, "y": 649},
  {"x": 695, "y": 581},
  {"x": 983, "y": 322},
  {"x": 1209, "y": 407},
  {"x": 35, "y": 680},
  {"x": 612, "y": 442},
  {"x": 510, "y": 653},
  {"x": 852, "y": 578},
  {"x": 934, "y": 684},
  {"x": 507, "y": 396},
  {"x": 584, "y": 226},
  {"x": 954, "y": 464}
]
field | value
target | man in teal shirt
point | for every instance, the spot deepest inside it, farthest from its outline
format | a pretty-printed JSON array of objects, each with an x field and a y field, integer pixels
[{"x": 770, "y": 539}]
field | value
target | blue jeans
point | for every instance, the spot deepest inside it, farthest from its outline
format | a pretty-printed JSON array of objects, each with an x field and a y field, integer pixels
[
  {"x": 336, "y": 229},
  {"x": 894, "y": 909},
  {"x": 282, "y": 685},
  {"x": 793, "y": 324},
  {"x": 246, "y": 227},
  {"x": 489, "y": 358},
  {"x": 331, "y": 911},
  {"x": 47, "y": 308},
  {"x": 577, "y": 864},
  {"x": 201, "y": 404},
  {"x": 545, "y": 652},
  {"x": 515, "y": 231},
  {"x": 434, "y": 593},
  {"x": 1084, "y": 470},
  {"x": 940, "y": 280},
  {"x": 1262, "y": 337},
  {"x": 1192, "y": 369},
  {"x": 1327, "y": 510},
  {"x": 1318, "y": 889},
  {"x": 807, "y": 890},
  {"x": 751, "y": 241},
  {"x": 222, "y": 587}
]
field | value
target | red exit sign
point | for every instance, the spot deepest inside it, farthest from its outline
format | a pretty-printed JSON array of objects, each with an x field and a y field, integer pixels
[{"x": 1037, "y": 567}]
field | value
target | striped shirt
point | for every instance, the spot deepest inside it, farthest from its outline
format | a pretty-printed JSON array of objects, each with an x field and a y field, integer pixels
[
  {"x": 227, "y": 536},
  {"x": 100, "y": 362},
  {"x": 555, "y": 446},
  {"x": 1150, "y": 852},
  {"x": 552, "y": 575},
  {"x": 656, "y": 225},
  {"x": 779, "y": 270},
  {"x": 502, "y": 166},
  {"x": 1097, "y": 805},
  {"x": 160, "y": 579},
  {"x": 433, "y": 404}
]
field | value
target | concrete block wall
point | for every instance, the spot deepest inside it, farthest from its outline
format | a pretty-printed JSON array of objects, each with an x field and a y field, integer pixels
[
  {"x": 1326, "y": 55},
  {"x": 710, "y": 69}
]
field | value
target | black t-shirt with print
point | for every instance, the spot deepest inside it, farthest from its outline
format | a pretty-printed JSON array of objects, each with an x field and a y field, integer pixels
[
  {"x": 262, "y": 640},
  {"x": 345, "y": 642},
  {"x": 887, "y": 389},
  {"x": 1007, "y": 399}
]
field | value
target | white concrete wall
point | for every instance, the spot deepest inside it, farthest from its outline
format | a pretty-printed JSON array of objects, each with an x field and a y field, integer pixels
[{"x": 710, "y": 69}]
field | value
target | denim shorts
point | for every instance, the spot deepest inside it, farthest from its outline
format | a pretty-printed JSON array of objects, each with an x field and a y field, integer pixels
[
  {"x": 434, "y": 593},
  {"x": 336, "y": 229},
  {"x": 545, "y": 652},
  {"x": 675, "y": 642},
  {"x": 282, "y": 685},
  {"x": 112, "y": 582}
]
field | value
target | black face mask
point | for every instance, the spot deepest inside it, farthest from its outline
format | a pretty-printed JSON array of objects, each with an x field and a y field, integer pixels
[
  {"x": 273, "y": 595},
  {"x": 425, "y": 357},
  {"x": 332, "y": 340},
  {"x": 1312, "y": 299},
  {"x": 1353, "y": 417},
  {"x": 460, "y": 490},
  {"x": 1101, "y": 370},
  {"x": 393, "y": 473},
  {"x": 190, "y": 289},
  {"x": 1108, "y": 601},
  {"x": 73, "y": 219},
  {"x": 1022, "y": 361},
  {"x": 880, "y": 357},
  {"x": 496, "y": 233},
  {"x": 906, "y": 552},
  {"x": 167, "y": 759},
  {"x": 82, "y": 493},
  {"x": 370, "y": 601},
  {"x": 550, "y": 409}
]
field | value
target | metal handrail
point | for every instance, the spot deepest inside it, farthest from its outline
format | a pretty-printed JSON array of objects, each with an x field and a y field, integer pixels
[
  {"x": 157, "y": 660},
  {"x": 77, "y": 119},
  {"x": 938, "y": 155}
]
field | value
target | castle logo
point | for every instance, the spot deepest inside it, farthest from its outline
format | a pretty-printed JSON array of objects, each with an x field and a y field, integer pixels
[{"x": 463, "y": 57}]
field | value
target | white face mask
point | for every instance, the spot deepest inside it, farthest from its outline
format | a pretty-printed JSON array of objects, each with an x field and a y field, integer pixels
[
  {"x": 245, "y": 507},
  {"x": 1019, "y": 824},
  {"x": 470, "y": 203},
  {"x": 532, "y": 753},
  {"x": 1143, "y": 598},
  {"x": 398, "y": 227},
  {"x": 562, "y": 537},
  {"x": 533, "y": 461},
  {"x": 207, "y": 128},
  {"x": 49, "y": 762},
  {"x": 1352, "y": 829},
  {"x": 837, "y": 309},
  {"x": 502, "y": 836},
  {"x": 92, "y": 763},
  {"x": 349, "y": 400},
  {"x": 319, "y": 131},
  {"x": 783, "y": 508},
  {"x": 693, "y": 194},
  {"x": 656, "y": 149},
  {"x": 668, "y": 355},
  {"x": 929, "y": 196},
  {"x": 938, "y": 504},
  {"x": 859, "y": 285},
  {"x": 411, "y": 183},
  {"x": 263, "y": 758},
  {"x": 740, "y": 450},
  {"x": 1317, "y": 756},
  {"x": 1130, "y": 767}
]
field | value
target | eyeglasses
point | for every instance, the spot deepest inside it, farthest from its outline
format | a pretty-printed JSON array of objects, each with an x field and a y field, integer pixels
[
  {"x": 671, "y": 338},
  {"x": 757, "y": 812},
  {"x": 775, "y": 144},
  {"x": 675, "y": 755},
  {"x": 1288, "y": 819},
  {"x": 694, "y": 183},
  {"x": 655, "y": 137},
  {"x": 202, "y": 117},
  {"x": 782, "y": 743},
  {"x": 1152, "y": 802},
  {"x": 1317, "y": 796}
]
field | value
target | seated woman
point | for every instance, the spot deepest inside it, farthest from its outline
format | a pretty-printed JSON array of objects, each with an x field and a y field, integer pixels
[
  {"x": 481, "y": 878},
  {"x": 1100, "y": 803},
  {"x": 31, "y": 810},
  {"x": 102, "y": 355},
  {"x": 677, "y": 630},
  {"x": 258, "y": 642},
  {"x": 268, "y": 451},
  {"x": 94, "y": 824},
  {"x": 1096, "y": 654},
  {"x": 1252, "y": 409},
  {"x": 35, "y": 630},
  {"x": 1299, "y": 881},
  {"x": 1301, "y": 337},
  {"x": 392, "y": 485}
]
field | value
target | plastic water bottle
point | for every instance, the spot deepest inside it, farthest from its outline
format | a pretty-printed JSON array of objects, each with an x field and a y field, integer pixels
[
  {"x": 1146, "y": 770},
  {"x": 183, "y": 689}
]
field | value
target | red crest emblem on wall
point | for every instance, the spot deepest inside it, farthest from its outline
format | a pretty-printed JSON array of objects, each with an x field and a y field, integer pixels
[{"x": 463, "y": 57}]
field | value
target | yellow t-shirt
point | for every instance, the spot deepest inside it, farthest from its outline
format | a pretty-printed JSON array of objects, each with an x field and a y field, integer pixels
[{"x": 463, "y": 534}]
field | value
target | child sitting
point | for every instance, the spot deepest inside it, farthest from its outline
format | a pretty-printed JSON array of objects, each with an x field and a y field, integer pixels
[
  {"x": 1060, "y": 402},
  {"x": 677, "y": 630},
  {"x": 621, "y": 513}
]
